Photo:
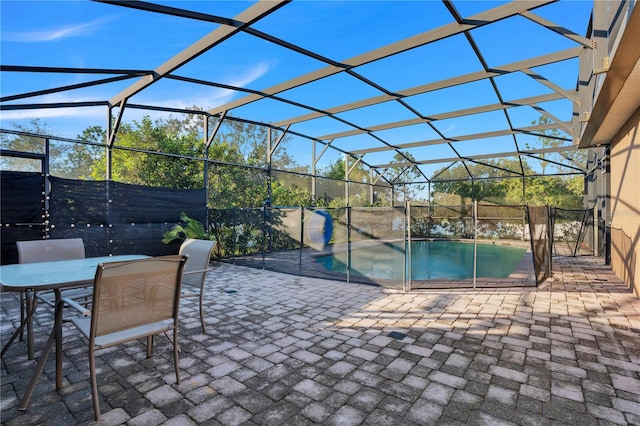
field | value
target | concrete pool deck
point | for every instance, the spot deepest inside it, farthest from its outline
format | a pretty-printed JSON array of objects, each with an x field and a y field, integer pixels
[{"x": 289, "y": 350}]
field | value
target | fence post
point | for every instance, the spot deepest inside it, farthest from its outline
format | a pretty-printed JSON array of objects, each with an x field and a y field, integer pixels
[
  {"x": 233, "y": 234},
  {"x": 301, "y": 240},
  {"x": 596, "y": 237},
  {"x": 550, "y": 222},
  {"x": 265, "y": 237},
  {"x": 348, "y": 211},
  {"x": 406, "y": 279},
  {"x": 475, "y": 241}
]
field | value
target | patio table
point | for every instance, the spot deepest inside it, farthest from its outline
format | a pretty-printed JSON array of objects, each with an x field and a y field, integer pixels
[{"x": 57, "y": 275}]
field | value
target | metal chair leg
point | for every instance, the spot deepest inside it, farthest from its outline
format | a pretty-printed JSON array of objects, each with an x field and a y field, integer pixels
[{"x": 25, "y": 316}]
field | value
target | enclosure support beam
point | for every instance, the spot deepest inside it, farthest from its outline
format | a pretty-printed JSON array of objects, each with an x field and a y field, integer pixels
[
  {"x": 572, "y": 96},
  {"x": 574, "y": 162},
  {"x": 212, "y": 136},
  {"x": 531, "y": 130},
  {"x": 372, "y": 182},
  {"x": 273, "y": 148},
  {"x": 324, "y": 149},
  {"x": 346, "y": 184},
  {"x": 473, "y": 186},
  {"x": 347, "y": 172},
  {"x": 358, "y": 159},
  {"x": 314, "y": 181},
  {"x": 370, "y": 187},
  {"x": 443, "y": 84},
  {"x": 249, "y": 16},
  {"x": 208, "y": 140},
  {"x": 108, "y": 147},
  {"x": 64, "y": 88},
  {"x": 314, "y": 164},
  {"x": 546, "y": 160},
  {"x": 427, "y": 37},
  {"x": 559, "y": 122},
  {"x": 267, "y": 202},
  {"x": 556, "y": 28},
  {"x": 114, "y": 126},
  {"x": 483, "y": 156},
  {"x": 448, "y": 115}
]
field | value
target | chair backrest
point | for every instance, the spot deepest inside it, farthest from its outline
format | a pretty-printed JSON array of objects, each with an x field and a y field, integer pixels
[
  {"x": 135, "y": 293},
  {"x": 199, "y": 252},
  {"x": 50, "y": 250}
]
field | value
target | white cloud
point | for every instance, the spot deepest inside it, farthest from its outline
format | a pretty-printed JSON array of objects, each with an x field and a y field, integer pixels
[
  {"x": 55, "y": 34},
  {"x": 251, "y": 75},
  {"x": 448, "y": 129},
  {"x": 86, "y": 112},
  {"x": 204, "y": 99},
  {"x": 209, "y": 97},
  {"x": 72, "y": 112}
]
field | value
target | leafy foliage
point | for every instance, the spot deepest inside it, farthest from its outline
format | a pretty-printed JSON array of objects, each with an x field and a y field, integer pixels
[
  {"x": 498, "y": 181},
  {"x": 154, "y": 169},
  {"x": 238, "y": 171},
  {"x": 405, "y": 175},
  {"x": 189, "y": 228}
]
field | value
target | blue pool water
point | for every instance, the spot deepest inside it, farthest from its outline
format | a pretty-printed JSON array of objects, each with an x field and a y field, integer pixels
[{"x": 430, "y": 260}]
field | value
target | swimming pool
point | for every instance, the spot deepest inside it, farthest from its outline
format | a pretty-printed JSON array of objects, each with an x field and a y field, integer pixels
[{"x": 430, "y": 260}]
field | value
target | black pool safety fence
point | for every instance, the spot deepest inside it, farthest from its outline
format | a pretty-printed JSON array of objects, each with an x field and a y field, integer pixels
[
  {"x": 112, "y": 218},
  {"x": 402, "y": 247}
]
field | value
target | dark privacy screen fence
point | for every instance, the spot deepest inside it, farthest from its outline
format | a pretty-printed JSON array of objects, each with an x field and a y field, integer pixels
[{"x": 111, "y": 217}]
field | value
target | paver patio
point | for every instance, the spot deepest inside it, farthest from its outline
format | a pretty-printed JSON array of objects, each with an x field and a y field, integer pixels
[{"x": 290, "y": 350}]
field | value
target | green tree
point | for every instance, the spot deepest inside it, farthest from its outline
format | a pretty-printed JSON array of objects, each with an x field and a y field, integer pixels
[
  {"x": 568, "y": 188},
  {"x": 245, "y": 145},
  {"x": 27, "y": 144},
  {"x": 358, "y": 174},
  {"x": 66, "y": 159},
  {"x": 502, "y": 187},
  {"x": 289, "y": 195},
  {"x": 154, "y": 169},
  {"x": 404, "y": 176},
  {"x": 549, "y": 138},
  {"x": 336, "y": 170},
  {"x": 553, "y": 138},
  {"x": 232, "y": 180},
  {"x": 482, "y": 181},
  {"x": 557, "y": 191},
  {"x": 82, "y": 158}
]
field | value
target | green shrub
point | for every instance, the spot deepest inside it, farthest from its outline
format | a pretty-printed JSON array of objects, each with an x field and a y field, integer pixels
[{"x": 189, "y": 228}]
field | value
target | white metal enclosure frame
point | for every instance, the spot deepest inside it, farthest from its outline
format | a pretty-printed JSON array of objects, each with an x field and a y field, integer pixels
[{"x": 370, "y": 144}]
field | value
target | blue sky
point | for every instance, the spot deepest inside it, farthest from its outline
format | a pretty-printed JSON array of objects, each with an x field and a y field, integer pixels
[{"x": 96, "y": 35}]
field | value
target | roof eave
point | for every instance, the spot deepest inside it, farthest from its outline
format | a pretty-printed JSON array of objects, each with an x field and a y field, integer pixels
[{"x": 619, "y": 96}]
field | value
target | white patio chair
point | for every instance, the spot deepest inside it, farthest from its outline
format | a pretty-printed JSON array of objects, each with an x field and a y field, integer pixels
[
  {"x": 46, "y": 251},
  {"x": 132, "y": 300},
  {"x": 199, "y": 252}
]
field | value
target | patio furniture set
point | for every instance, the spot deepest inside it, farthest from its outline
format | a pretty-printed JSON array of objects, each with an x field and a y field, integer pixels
[{"x": 116, "y": 299}]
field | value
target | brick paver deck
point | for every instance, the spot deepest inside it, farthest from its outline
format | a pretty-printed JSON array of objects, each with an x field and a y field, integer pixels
[{"x": 289, "y": 350}]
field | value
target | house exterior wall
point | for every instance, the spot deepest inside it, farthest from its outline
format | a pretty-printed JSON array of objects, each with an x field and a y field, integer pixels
[{"x": 624, "y": 203}]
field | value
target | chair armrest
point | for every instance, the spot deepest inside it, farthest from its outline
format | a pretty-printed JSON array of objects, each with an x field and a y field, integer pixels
[
  {"x": 185, "y": 291},
  {"x": 198, "y": 271},
  {"x": 85, "y": 312},
  {"x": 49, "y": 298}
]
